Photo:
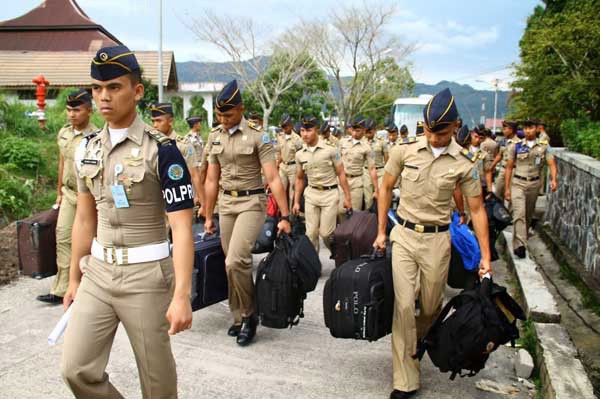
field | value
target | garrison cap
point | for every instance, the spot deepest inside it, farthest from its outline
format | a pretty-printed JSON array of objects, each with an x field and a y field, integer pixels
[
  {"x": 309, "y": 121},
  {"x": 192, "y": 120},
  {"x": 440, "y": 111},
  {"x": 541, "y": 122},
  {"x": 254, "y": 115},
  {"x": 528, "y": 122},
  {"x": 479, "y": 131},
  {"x": 391, "y": 127},
  {"x": 359, "y": 122},
  {"x": 78, "y": 97},
  {"x": 371, "y": 124},
  {"x": 462, "y": 138},
  {"x": 324, "y": 127},
  {"x": 285, "y": 120},
  {"x": 420, "y": 130},
  {"x": 297, "y": 127},
  {"x": 159, "y": 109},
  {"x": 512, "y": 124},
  {"x": 403, "y": 129},
  {"x": 229, "y": 97},
  {"x": 113, "y": 62}
]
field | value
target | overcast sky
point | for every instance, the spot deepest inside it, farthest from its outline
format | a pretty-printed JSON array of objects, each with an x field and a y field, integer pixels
[{"x": 463, "y": 41}]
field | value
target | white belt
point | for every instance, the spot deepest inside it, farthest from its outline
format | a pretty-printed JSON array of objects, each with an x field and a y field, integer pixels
[{"x": 128, "y": 256}]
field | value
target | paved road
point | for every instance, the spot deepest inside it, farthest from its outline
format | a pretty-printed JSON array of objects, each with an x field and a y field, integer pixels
[{"x": 304, "y": 362}]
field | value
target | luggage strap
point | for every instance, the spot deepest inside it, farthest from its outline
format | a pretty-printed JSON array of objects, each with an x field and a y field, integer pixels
[{"x": 129, "y": 256}]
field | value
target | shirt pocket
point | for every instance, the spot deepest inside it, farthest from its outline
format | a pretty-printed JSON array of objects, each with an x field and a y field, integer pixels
[
  {"x": 92, "y": 175},
  {"x": 131, "y": 178}
]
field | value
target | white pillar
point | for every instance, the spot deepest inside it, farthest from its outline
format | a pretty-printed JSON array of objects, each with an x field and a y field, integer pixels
[
  {"x": 187, "y": 103},
  {"x": 208, "y": 106}
]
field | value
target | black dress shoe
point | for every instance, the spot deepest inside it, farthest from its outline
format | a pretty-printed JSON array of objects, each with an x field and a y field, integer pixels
[
  {"x": 50, "y": 298},
  {"x": 396, "y": 394},
  {"x": 247, "y": 330},
  {"x": 234, "y": 330},
  {"x": 520, "y": 252}
]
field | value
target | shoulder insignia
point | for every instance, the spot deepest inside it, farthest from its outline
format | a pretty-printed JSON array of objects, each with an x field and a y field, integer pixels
[
  {"x": 468, "y": 154},
  {"x": 407, "y": 140},
  {"x": 254, "y": 126},
  {"x": 158, "y": 136},
  {"x": 214, "y": 129},
  {"x": 66, "y": 125},
  {"x": 544, "y": 142}
]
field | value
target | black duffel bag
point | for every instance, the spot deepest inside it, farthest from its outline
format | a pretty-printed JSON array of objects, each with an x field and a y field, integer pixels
[
  {"x": 305, "y": 261},
  {"x": 266, "y": 238}
]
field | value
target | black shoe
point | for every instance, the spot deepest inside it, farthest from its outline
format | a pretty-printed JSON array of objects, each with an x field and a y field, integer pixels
[
  {"x": 50, "y": 298},
  {"x": 520, "y": 252},
  {"x": 396, "y": 394},
  {"x": 234, "y": 330},
  {"x": 247, "y": 330}
]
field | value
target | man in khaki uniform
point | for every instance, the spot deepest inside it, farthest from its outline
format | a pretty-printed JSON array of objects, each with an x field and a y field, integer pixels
[
  {"x": 288, "y": 143},
  {"x": 325, "y": 132},
  {"x": 392, "y": 130},
  {"x": 483, "y": 159},
  {"x": 380, "y": 157},
  {"x": 541, "y": 131},
  {"x": 431, "y": 167},
  {"x": 194, "y": 137},
  {"x": 128, "y": 175},
  {"x": 162, "y": 120},
  {"x": 489, "y": 145},
  {"x": 527, "y": 158},
  {"x": 357, "y": 156},
  {"x": 321, "y": 163},
  {"x": 509, "y": 129},
  {"x": 79, "y": 110},
  {"x": 237, "y": 152}
]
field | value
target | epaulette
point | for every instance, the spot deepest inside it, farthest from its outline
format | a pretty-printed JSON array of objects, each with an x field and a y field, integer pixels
[
  {"x": 181, "y": 139},
  {"x": 468, "y": 154},
  {"x": 158, "y": 136},
  {"x": 543, "y": 142},
  {"x": 87, "y": 138},
  {"x": 214, "y": 129},
  {"x": 66, "y": 125},
  {"x": 254, "y": 126},
  {"x": 407, "y": 140},
  {"x": 330, "y": 143}
]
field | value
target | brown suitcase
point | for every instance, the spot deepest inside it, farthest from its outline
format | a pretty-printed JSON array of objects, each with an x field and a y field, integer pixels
[
  {"x": 37, "y": 244},
  {"x": 354, "y": 237}
]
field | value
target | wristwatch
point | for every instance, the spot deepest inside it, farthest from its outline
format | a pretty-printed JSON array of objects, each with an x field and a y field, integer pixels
[{"x": 286, "y": 218}]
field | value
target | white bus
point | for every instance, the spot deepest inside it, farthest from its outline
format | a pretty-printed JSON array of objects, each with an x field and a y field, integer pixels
[{"x": 409, "y": 111}]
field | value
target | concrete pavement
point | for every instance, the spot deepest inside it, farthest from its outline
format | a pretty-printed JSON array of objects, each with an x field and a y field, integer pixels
[{"x": 304, "y": 362}]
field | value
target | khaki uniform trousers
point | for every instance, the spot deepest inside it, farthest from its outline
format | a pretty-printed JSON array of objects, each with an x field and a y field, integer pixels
[
  {"x": 356, "y": 196},
  {"x": 423, "y": 257},
  {"x": 287, "y": 174},
  {"x": 64, "y": 227},
  {"x": 524, "y": 196},
  {"x": 238, "y": 235},
  {"x": 321, "y": 213},
  {"x": 136, "y": 295},
  {"x": 368, "y": 186},
  {"x": 499, "y": 184}
]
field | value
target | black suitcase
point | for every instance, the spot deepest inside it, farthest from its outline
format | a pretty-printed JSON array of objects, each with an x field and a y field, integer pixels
[
  {"x": 354, "y": 237},
  {"x": 266, "y": 238},
  {"x": 37, "y": 244},
  {"x": 358, "y": 300},
  {"x": 209, "y": 278}
]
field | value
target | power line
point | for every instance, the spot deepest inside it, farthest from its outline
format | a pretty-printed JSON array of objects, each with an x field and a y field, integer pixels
[{"x": 491, "y": 70}]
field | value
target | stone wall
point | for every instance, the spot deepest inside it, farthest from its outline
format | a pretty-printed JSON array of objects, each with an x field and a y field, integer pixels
[{"x": 573, "y": 211}]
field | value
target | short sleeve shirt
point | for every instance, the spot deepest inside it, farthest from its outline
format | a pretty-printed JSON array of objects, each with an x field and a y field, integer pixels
[
  {"x": 320, "y": 165},
  {"x": 528, "y": 162},
  {"x": 288, "y": 144},
  {"x": 356, "y": 156},
  {"x": 68, "y": 141}
]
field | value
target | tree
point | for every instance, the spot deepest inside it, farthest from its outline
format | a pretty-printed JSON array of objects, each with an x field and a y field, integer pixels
[
  {"x": 150, "y": 96},
  {"x": 252, "y": 54},
  {"x": 353, "y": 41},
  {"x": 559, "y": 71},
  {"x": 197, "y": 108}
]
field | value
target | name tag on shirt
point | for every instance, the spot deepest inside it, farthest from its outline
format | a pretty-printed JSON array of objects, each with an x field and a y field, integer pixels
[
  {"x": 538, "y": 161},
  {"x": 119, "y": 196}
]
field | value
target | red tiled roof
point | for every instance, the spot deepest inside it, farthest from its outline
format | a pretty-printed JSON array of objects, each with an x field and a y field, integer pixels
[{"x": 55, "y": 25}]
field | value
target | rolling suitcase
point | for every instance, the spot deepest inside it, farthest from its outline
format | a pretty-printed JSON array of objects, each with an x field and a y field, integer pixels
[
  {"x": 209, "y": 278},
  {"x": 354, "y": 237},
  {"x": 358, "y": 299},
  {"x": 37, "y": 244}
]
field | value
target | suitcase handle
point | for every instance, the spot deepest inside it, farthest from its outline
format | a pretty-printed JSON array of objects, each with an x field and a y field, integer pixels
[
  {"x": 35, "y": 235},
  {"x": 376, "y": 254}
]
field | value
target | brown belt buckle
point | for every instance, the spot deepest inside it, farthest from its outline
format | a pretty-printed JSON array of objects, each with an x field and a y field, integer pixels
[
  {"x": 234, "y": 193},
  {"x": 320, "y": 188},
  {"x": 419, "y": 228}
]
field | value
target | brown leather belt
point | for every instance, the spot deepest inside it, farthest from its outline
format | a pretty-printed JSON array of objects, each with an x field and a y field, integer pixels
[
  {"x": 527, "y": 178},
  {"x": 419, "y": 228},
  {"x": 324, "y": 188},
  {"x": 351, "y": 176},
  {"x": 243, "y": 193},
  {"x": 290, "y": 163}
]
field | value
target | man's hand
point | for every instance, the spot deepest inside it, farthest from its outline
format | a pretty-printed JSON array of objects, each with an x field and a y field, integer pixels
[
  {"x": 485, "y": 266},
  {"x": 209, "y": 226},
  {"x": 553, "y": 185},
  {"x": 461, "y": 220},
  {"x": 70, "y": 295},
  {"x": 284, "y": 226},
  {"x": 201, "y": 212},
  {"x": 296, "y": 209},
  {"x": 379, "y": 243},
  {"x": 347, "y": 204},
  {"x": 375, "y": 195},
  {"x": 179, "y": 315},
  {"x": 196, "y": 200},
  {"x": 507, "y": 195}
]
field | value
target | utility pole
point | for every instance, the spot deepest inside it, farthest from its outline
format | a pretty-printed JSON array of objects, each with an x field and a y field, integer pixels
[
  {"x": 482, "y": 117},
  {"x": 496, "y": 82},
  {"x": 160, "y": 57}
]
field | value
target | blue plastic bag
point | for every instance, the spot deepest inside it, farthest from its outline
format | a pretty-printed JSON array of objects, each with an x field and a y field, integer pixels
[{"x": 465, "y": 242}]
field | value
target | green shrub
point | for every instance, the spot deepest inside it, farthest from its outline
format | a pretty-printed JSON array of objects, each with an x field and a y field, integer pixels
[
  {"x": 582, "y": 135},
  {"x": 21, "y": 152},
  {"x": 15, "y": 195}
]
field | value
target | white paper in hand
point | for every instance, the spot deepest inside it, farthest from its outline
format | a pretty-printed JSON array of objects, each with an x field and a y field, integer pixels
[{"x": 60, "y": 328}]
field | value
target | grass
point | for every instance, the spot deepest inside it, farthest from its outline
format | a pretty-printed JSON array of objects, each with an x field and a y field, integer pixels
[
  {"x": 589, "y": 299},
  {"x": 529, "y": 342}
]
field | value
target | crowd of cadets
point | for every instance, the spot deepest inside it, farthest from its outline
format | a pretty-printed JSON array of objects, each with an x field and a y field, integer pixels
[{"x": 115, "y": 185}]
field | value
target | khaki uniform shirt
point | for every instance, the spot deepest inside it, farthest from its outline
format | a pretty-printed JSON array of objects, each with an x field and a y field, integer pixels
[
  {"x": 150, "y": 171},
  {"x": 544, "y": 137},
  {"x": 380, "y": 150},
  {"x": 503, "y": 149},
  {"x": 356, "y": 156},
  {"x": 186, "y": 147},
  {"x": 483, "y": 162},
  {"x": 428, "y": 182},
  {"x": 320, "y": 165},
  {"x": 491, "y": 147},
  {"x": 68, "y": 142},
  {"x": 198, "y": 145},
  {"x": 528, "y": 162},
  {"x": 288, "y": 144}
]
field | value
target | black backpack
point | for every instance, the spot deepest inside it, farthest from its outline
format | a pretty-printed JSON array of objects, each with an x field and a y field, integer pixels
[
  {"x": 278, "y": 289},
  {"x": 471, "y": 326},
  {"x": 304, "y": 260}
]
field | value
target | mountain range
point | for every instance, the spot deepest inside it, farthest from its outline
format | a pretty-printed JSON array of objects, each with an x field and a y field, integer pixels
[{"x": 468, "y": 99}]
